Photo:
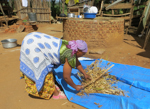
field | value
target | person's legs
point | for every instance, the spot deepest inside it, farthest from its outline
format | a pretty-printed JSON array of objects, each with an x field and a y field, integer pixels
[{"x": 56, "y": 92}]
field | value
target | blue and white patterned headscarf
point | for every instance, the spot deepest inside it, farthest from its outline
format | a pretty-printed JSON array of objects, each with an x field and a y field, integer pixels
[{"x": 39, "y": 54}]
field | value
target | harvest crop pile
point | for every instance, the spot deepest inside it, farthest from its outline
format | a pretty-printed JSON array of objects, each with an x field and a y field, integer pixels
[{"x": 101, "y": 81}]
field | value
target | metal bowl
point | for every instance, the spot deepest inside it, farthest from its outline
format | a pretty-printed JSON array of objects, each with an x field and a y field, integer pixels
[
  {"x": 71, "y": 15},
  {"x": 86, "y": 10},
  {"x": 62, "y": 15},
  {"x": 9, "y": 43}
]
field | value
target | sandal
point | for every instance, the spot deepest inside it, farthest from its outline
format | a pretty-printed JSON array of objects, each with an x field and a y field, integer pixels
[{"x": 61, "y": 95}]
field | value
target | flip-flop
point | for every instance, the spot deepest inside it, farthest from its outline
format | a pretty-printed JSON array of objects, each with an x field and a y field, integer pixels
[{"x": 61, "y": 95}]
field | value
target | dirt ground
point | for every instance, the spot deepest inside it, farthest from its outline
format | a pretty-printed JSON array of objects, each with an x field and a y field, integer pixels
[{"x": 13, "y": 94}]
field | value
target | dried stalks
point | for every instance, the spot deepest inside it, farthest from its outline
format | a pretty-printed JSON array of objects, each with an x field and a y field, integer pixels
[{"x": 101, "y": 80}]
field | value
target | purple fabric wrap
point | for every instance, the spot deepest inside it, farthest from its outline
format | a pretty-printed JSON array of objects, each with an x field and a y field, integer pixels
[{"x": 78, "y": 44}]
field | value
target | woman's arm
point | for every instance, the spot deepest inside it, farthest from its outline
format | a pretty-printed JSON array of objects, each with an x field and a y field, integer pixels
[
  {"x": 67, "y": 76},
  {"x": 80, "y": 68}
]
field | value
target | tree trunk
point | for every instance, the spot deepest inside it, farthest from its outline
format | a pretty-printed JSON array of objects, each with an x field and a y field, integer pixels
[
  {"x": 10, "y": 3},
  {"x": 59, "y": 6},
  {"x": 63, "y": 6},
  {"x": 138, "y": 7}
]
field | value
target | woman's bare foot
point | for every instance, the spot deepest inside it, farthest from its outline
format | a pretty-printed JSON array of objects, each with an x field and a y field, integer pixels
[{"x": 56, "y": 92}]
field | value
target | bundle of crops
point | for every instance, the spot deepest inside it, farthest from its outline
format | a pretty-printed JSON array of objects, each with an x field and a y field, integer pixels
[{"x": 101, "y": 81}]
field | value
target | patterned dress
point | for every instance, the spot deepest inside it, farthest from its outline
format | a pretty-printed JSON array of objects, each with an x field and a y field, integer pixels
[{"x": 49, "y": 85}]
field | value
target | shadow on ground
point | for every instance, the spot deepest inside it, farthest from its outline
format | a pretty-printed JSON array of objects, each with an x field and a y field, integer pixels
[{"x": 140, "y": 41}]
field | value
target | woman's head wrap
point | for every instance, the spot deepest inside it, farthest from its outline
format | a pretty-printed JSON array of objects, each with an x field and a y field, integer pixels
[{"x": 78, "y": 44}]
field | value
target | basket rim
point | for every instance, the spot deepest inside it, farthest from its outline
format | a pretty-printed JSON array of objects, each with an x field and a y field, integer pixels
[{"x": 90, "y": 13}]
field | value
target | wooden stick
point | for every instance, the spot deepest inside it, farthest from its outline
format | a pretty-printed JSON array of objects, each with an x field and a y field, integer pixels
[
  {"x": 138, "y": 7},
  {"x": 63, "y": 6},
  {"x": 4, "y": 14},
  {"x": 98, "y": 77},
  {"x": 15, "y": 4},
  {"x": 112, "y": 9},
  {"x": 50, "y": 4},
  {"x": 36, "y": 5},
  {"x": 33, "y": 5},
  {"x": 38, "y": 11},
  {"x": 10, "y": 3},
  {"x": 32, "y": 8},
  {"x": 147, "y": 36},
  {"x": 44, "y": 2},
  {"x": 101, "y": 8},
  {"x": 20, "y": 7},
  {"x": 49, "y": 10},
  {"x": 59, "y": 6},
  {"x": 41, "y": 6},
  {"x": 131, "y": 15},
  {"x": 119, "y": 15},
  {"x": 46, "y": 15},
  {"x": 24, "y": 10}
]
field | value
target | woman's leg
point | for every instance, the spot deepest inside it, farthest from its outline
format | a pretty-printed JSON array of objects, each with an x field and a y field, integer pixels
[{"x": 56, "y": 92}]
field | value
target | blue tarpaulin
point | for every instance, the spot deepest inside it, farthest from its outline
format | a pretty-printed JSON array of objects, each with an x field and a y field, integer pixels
[{"x": 134, "y": 80}]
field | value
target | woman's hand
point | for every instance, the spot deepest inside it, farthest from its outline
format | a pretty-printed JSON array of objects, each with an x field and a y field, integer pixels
[
  {"x": 86, "y": 76},
  {"x": 78, "y": 87},
  {"x": 80, "y": 68}
]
